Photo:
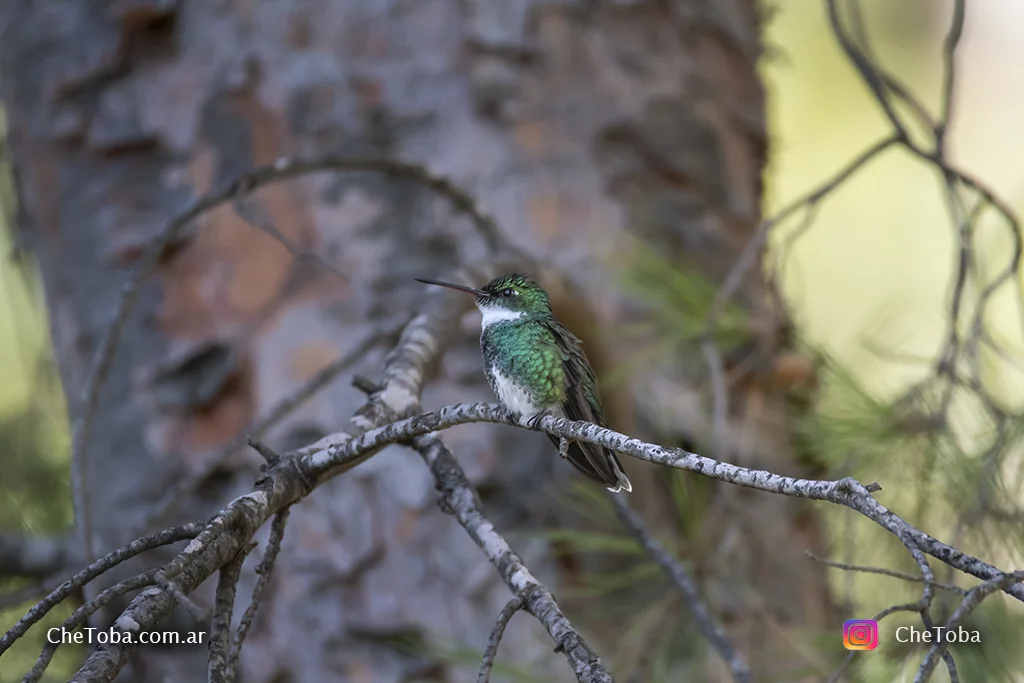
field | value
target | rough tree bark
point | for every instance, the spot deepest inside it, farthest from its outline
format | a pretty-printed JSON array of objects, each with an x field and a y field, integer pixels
[{"x": 574, "y": 123}]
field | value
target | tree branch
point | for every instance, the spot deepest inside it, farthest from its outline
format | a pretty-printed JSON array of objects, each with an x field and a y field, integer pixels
[
  {"x": 84, "y": 612},
  {"x": 297, "y": 474},
  {"x": 681, "y": 578},
  {"x": 220, "y": 627},
  {"x": 108, "y": 561},
  {"x": 337, "y": 453},
  {"x": 967, "y": 605},
  {"x": 884, "y": 572},
  {"x": 465, "y": 505},
  {"x": 491, "y": 651},
  {"x": 263, "y": 572}
]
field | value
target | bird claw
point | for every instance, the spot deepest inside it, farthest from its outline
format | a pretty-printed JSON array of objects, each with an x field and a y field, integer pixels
[
  {"x": 563, "y": 447},
  {"x": 535, "y": 420},
  {"x": 445, "y": 504}
]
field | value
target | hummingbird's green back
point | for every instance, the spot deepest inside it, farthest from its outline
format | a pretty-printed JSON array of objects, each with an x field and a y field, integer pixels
[{"x": 528, "y": 353}]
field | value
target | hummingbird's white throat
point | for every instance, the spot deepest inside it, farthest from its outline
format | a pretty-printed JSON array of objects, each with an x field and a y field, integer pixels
[{"x": 496, "y": 314}]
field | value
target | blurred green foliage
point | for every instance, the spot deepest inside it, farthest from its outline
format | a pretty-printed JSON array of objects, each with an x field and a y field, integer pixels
[
  {"x": 35, "y": 497},
  {"x": 874, "y": 267}
]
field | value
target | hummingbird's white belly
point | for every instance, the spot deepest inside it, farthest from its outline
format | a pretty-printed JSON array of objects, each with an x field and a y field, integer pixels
[{"x": 513, "y": 396}]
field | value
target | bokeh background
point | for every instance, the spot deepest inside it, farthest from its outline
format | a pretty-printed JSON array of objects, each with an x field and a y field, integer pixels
[{"x": 868, "y": 286}]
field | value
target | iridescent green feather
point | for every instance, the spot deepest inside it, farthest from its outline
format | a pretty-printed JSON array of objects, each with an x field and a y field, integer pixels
[{"x": 529, "y": 354}]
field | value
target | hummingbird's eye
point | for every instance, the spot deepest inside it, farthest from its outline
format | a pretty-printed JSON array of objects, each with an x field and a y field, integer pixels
[{"x": 507, "y": 292}]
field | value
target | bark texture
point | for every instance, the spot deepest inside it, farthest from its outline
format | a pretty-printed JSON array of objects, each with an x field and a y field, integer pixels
[{"x": 577, "y": 124}]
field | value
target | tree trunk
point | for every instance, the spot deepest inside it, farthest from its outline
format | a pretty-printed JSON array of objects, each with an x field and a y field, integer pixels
[{"x": 577, "y": 124}]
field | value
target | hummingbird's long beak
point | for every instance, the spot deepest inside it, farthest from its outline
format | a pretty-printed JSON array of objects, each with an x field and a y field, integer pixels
[{"x": 449, "y": 285}]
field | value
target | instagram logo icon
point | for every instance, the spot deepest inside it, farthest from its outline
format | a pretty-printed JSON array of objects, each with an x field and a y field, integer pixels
[{"x": 860, "y": 634}]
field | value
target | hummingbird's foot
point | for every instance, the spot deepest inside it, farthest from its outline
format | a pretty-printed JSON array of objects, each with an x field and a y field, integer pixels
[
  {"x": 535, "y": 420},
  {"x": 445, "y": 504},
  {"x": 563, "y": 447}
]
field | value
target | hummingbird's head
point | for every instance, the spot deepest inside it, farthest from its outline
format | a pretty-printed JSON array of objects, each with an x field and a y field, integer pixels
[
  {"x": 506, "y": 297},
  {"x": 515, "y": 293}
]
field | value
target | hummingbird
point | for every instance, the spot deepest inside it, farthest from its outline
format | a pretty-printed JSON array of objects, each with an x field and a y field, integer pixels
[{"x": 537, "y": 367}]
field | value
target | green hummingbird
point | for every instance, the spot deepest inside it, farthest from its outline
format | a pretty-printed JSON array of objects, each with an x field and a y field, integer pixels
[{"x": 537, "y": 367}]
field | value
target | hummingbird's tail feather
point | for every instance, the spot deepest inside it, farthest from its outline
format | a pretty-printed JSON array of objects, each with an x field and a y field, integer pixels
[{"x": 598, "y": 463}]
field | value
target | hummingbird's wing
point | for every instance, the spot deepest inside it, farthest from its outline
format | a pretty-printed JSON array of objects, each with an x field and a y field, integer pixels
[{"x": 582, "y": 402}]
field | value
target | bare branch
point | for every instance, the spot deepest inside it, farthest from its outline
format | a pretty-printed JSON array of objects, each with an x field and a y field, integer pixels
[
  {"x": 491, "y": 651},
  {"x": 967, "y": 605},
  {"x": 956, "y": 31},
  {"x": 387, "y": 418},
  {"x": 297, "y": 474},
  {"x": 263, "y": 571},
  {"x": 838, "y": 673},
  {"x": 285, "y": 483},
  {"x": 884, "y": 572},
  {"x": 83, "y": 613},
  {"x": 405, "y": 372},
  {"x": 381, "y": 421},
  {"x": 253, "y": 214},
  {"x": 460, "y": 498},
  {"x": 224, "y": 607},
  {"x": 927, "y": 594},
  {"x": 747, "y": 259},
  {"x": 867, "y": 69},
  {"x": 336, "y": 453},
  {"x": 214, "y": 547},
  {"x": 264, "y": 450},
  {"x": 681, "y": 578},
  {"x": 200, "y": 614},
  {"x": 161, "y": 538}
]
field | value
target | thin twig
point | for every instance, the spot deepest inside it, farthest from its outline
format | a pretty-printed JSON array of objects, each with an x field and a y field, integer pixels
[
  {"x": 691, "y": 596},
  {"x": 884, "y": 572},
  {"x": 967, "y": 605},
  {"x": 491, "y": 651},
  {"x": 255, "y": 216},
  {"x": 220, "y": 627},
  {"x": 868, "y": 70},
  {"x": 263, "y": 572},
  {"x": 286, "y": 483},
  {"x": 747, "y": 259},
  {"x": 838, "y": 673},
  {"x": 956, "y": 31},
  {"x": 927, "y": 593},
  {"x": 459, "y": 497},
  {"x": 719, "y": 397},
  {"x": 265, "y": 451},
  {"x": 200, "y": 614},
  {"x": 956, "y": 347},
  {"x": 108, "y": 561},
  {"x": 84, "y": 612},
  {"x": 890, "y": 82},
  {"x": 365, "y": 385}
]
